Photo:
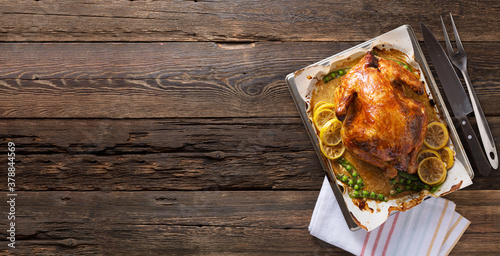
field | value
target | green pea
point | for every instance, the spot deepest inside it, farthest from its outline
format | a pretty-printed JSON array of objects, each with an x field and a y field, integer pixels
[
  {"x": 381, "y": 197},
  {"x": 359, "y": 181},
  {"x": 373, "y": 194},
  {"x": 356, "y": 187},
  {"x": 341, "y": 72},
  {"x": 350, "y": 182},
  {"x": 398, "y": 189},
  {"x": 333, "y": 75},
  {"x": 426, "y": 187},
  {"x": 326, "y": 79},
  {"x": 407, "y": 187},
  {"x": 414, "y": 187},
  {"x": 354, "y": 174},
  {"x": 365, "y": 193},
  {"x": 407, "y": 67},
  {"x": 348, "y": 167},
  {"x": 344, "y": 178},
  {"x": 392, "y": 181},
  {"x": 408, "y": 182},
  {"x": 355, "y": 193}
]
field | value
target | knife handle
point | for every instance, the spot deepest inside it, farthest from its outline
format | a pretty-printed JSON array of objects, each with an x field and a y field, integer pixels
[
  {"x": 480, "y": 162},
  {"x": 482, "y": 124}
]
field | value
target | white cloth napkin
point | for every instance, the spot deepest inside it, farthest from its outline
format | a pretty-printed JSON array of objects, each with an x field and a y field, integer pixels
[{"x": 431, "y": 228}]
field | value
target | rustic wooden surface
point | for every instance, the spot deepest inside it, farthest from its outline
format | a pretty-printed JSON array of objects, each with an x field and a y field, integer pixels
[{"x": 166, "y": 127}]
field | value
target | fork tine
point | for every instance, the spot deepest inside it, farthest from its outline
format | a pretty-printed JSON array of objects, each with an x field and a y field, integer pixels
[
  {"x": 446, "y": 38},
  {"x": 457, "y": 37}
]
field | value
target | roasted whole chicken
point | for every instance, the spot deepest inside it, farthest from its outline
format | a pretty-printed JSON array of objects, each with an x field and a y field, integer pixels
[{"x": 382, "y": 125}]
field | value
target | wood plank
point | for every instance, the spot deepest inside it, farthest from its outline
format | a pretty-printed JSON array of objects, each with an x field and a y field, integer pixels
[
  {"x": 152, "y": 223},
  {"x": 175, "y": 154},
  {"x": 172, "y": 240},
  {"x": 479, "y": 207},
  {"x": 148, "y": 80},
  {"x": 177, "y": 79},
  {"x": 217, "y": 20},
  {"x": 474, "y": 244},
  {"x": 171, "y": 154},
  {"x": 203, "y": 222}
]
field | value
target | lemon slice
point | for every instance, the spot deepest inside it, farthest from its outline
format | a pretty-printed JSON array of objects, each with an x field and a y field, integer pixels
[
  {"x": 432, "y": 171},
  {"x": 330, "y": 133},
  {"x": 437, "y": 136},
  {"x": 330, "y": 106},
  {"x": 448, "y": 157},
  {"x": 318, "y": 104},
  {"x": 423, "y": 154},
  {"x": 332, "y": 152},
  {"x": 322, "y": 116}
]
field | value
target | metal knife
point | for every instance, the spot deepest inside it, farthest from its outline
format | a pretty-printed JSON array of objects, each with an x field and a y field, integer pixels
[{"x": 459, "y": 102}]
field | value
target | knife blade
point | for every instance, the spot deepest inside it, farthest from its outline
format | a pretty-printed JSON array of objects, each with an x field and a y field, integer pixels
[{"x": 459, "y": 102}]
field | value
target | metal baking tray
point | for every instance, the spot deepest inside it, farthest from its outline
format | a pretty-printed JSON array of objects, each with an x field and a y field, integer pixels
[{"x": 301, "y": 84}]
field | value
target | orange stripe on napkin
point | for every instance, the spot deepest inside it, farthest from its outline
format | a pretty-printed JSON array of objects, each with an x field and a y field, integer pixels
[
  {"x": 453, "y": 228},
  {"x": 437, "y": 227},
  {"x": 458, "y": 238}
]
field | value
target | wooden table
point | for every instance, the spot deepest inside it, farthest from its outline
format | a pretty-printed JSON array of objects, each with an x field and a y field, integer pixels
[{"x": 166, "y": 127}]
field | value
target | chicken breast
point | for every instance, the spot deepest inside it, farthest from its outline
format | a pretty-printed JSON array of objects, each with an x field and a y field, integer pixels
[{"x": 382, "y": 125}]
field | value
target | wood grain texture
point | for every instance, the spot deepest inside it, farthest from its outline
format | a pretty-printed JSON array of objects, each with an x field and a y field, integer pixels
[
  {"x": 178, "y": 154},
  {"x": 148, "y": 20},
  {"x": 171, "y": 154},
  {"x": 152, "y": 223},
  {"x": 200, "y": 222},
  {"x": 135, "y": 80}
]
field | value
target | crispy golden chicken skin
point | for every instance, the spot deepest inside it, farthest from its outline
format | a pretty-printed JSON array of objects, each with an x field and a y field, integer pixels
[{"x": 382, "y": 126}]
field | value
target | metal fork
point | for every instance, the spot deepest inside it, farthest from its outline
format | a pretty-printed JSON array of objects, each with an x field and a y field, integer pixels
[{"x": 459, "y": 59}]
